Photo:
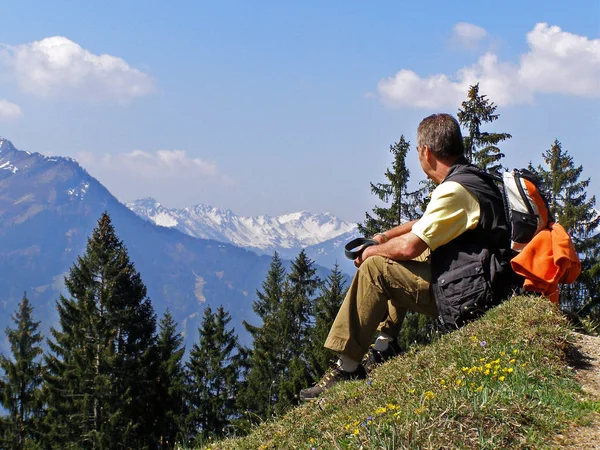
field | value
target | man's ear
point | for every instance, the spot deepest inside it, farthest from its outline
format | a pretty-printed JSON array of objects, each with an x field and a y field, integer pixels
[
  {"x": 429, "y": 157},
  {"x": 427, "y": 153}
]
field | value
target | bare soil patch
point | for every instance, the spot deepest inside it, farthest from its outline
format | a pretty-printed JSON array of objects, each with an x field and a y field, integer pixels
[{"x": 585, "y": 361}]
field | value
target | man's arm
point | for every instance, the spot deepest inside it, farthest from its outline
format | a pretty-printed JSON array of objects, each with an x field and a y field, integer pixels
[
  {"x": 402, "y": 248},
  {"x": 399, "y": 230}
]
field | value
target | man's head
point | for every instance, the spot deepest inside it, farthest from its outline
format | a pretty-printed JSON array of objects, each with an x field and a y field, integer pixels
[
  {"x": 441, "y": 134},
  {"x": 439, "y": 144}
]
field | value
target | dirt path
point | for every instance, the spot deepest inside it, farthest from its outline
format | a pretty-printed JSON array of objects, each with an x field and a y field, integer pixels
[{"x": 586, "y": 363}]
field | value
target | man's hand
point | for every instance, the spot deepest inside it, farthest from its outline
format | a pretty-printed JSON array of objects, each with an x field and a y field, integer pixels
[{"x": 369, "y": 251}]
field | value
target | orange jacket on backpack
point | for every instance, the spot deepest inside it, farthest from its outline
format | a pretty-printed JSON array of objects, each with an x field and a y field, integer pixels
[{"x": 547, "y": 260}]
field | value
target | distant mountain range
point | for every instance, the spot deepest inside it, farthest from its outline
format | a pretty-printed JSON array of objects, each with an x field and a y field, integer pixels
[
  {"x": 321, "y": 235},
  {"x": 50, "y": 205}
]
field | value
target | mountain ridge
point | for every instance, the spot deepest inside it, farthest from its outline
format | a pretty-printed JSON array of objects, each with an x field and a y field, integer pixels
[{"x": 264, "y": 233}]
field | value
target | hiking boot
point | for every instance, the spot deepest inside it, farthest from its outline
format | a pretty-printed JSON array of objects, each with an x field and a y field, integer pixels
[
  {"x": 331, "y": 377},
  {"x": 374, "y": 358}
]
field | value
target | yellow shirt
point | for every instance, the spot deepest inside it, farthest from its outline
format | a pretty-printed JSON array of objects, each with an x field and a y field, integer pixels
[{"x": 451, "y": 211}]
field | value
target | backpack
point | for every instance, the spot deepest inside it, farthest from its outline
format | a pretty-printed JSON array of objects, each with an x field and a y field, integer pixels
[{"x": 525, "y": 205}]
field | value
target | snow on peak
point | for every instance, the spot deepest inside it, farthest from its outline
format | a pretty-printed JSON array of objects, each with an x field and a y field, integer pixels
[
  {"x": 294, "y": 230},
  {"x": 5, "y": 144}
]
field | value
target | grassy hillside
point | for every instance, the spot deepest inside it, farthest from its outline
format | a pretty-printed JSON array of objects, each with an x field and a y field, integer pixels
[{"x": 501, "y": 382}]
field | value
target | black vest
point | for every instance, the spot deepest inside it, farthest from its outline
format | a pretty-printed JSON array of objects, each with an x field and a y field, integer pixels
[{"x": 472, "y": 273}]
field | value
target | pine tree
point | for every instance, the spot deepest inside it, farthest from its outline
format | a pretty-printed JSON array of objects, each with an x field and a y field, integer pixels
[
  {"x": 326, "y": 309},
  {"x": 102, "y": 367},
  {"x": 395, "y": 193},
  {"x": 170, "y": 390},
  {"x": 267, "y": 357},
  {"x": 296, "y": 315},
  {"x": 20, "y": 386},
  {"x": 213, "y": 374},
  {"x": 481, "y": 148},
  {"x": 571, "y": 208}
]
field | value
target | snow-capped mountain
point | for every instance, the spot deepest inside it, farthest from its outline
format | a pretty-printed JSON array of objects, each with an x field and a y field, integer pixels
[{"x": 262, "y": 233}]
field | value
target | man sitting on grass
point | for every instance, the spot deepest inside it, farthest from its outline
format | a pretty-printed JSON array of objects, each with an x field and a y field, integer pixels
[{"x": 452, "y": 263}]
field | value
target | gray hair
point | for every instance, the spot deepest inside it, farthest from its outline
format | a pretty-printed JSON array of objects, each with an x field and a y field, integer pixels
[{"x": 441, "y": 133}]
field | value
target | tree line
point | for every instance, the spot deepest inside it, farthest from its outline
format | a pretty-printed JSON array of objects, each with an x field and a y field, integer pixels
[{"x": 112, "y": 377}]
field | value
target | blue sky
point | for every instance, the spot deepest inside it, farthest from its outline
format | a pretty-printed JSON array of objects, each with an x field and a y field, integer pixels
[{"x": 270, "y": 107}]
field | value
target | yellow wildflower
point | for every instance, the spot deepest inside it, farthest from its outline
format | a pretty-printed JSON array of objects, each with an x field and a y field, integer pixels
[
  {"x": 412, "y": 391},
  {"x": 480, "y": 388},
  {"x": 429, "y": 395},
  {"x": 474, "y": 339},
  {"x": 355, "y": 431},
  {"x": 524, "y": 364},
  {"x": 488, "y": 366},
  {"x": 509, "y": 370},
  {"x": 442, "y": 382},
  {"x": 501, "y": 378},
  {"x": 487, "y": 372},
  {"x": 311, "y": 440},
  {"x": 502, "y": 353},
  {"x": 380, "y": 411},
  {"x": 459, "y": 382},
  {"x": 515, "y": 351},
  {"x": 512, "y": 361}
]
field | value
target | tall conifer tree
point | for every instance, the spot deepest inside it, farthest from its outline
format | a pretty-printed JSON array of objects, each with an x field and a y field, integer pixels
[
  {"x": 327, "y": 305},
  {"x": 296, "y": 315},
  {"x": 400, "y": 204},
  {"x": 481, "y": 147},
  {"x": 571, "y": 207},
  {"x": 267, "y": 360},
  {"x": 103, "y": 365},
  {"x": 20, "y": 384},
  {"x": 213, "y": 377},
  {"x": 170, "y": 390}
]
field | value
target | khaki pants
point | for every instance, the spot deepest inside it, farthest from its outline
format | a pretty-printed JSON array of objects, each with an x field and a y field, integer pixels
[{"x": 381, "y": 293}]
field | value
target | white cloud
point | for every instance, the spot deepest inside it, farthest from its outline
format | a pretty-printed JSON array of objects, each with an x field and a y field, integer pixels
[
  {"x": 57, "y": 67},
  {"x": 467, "y": 34},
  {"x": 165, "y": 173},
  {"x": 9, "y": 111},
  {"x": 557, "y": 62},
  {"x": 161, "y": 165}
]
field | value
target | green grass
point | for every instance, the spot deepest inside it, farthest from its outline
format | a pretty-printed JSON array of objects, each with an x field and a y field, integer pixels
[{"x": 500, "y": 382}]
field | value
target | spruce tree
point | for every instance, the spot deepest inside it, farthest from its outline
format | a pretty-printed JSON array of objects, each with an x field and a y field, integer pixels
[
  {"x": 400, "y": 204},
  {"x": 326, "y": 309},
  {"x": 481, "y": 148},
  {"x": 20, "y": 384},
  {"x": 267, "y": 358},
  {"x": 296, "y": 316},
  {"x": 213, "y": 381},
  {"x": 170, "y": 390},
  {"x": 102, "y": 365},
  {"x": 571, "y": 208}
]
